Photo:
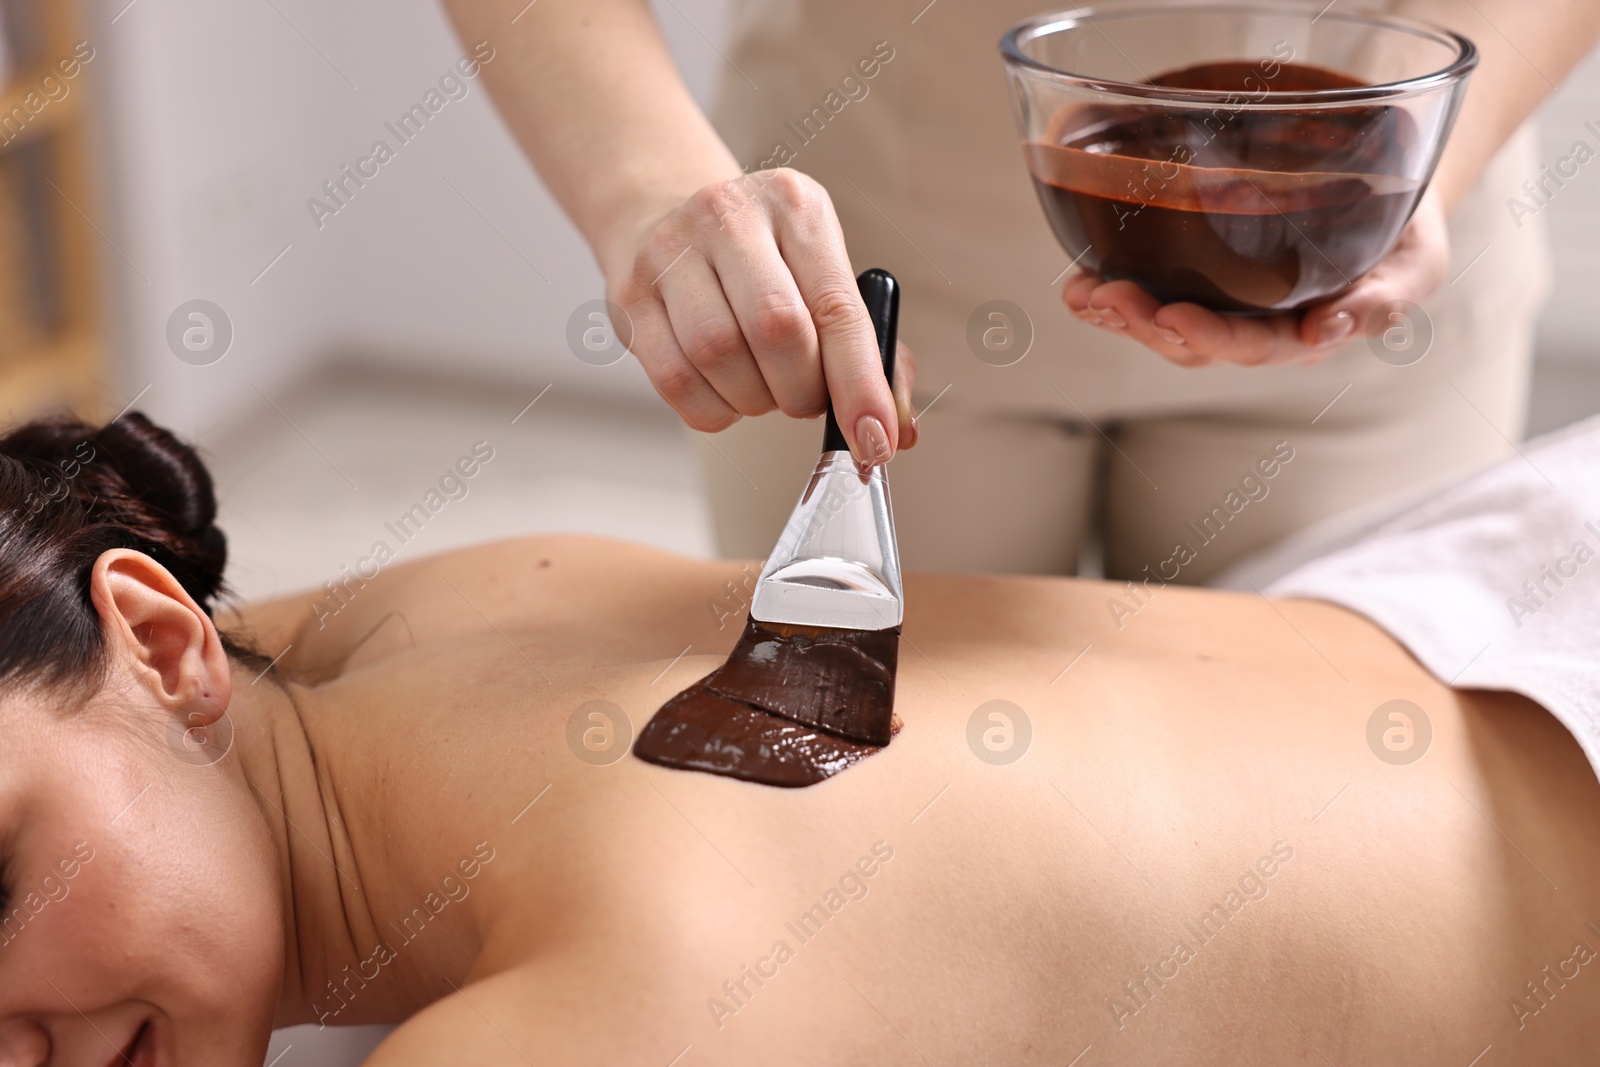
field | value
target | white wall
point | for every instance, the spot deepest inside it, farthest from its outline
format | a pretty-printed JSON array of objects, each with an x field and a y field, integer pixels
[
  {"x": 222, "y": 119},
  {"x": 205, "y": 141}
]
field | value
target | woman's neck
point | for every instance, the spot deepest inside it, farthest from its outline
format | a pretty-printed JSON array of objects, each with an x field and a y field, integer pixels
[{"x": 340, "y": 963}]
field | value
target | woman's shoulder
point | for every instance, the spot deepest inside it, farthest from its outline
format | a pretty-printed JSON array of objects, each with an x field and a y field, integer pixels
[
  {"x": 470, "y": 1025},
  {"x": 514, "y": 1018}
]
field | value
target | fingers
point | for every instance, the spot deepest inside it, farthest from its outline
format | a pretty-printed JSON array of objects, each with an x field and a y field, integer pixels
[
  {"x": 1077, "y": 291},
  {"x": 1246, "y": 341},
  {"x": 1322, "y": 326},
  {"x": 774, "y": 320},
  {"x": 813, "y": 246},
  {"x": 680, "y": 384},
  {"x": 1187, "y": 334},
  {"x": 707, "y": 331},
  {"x": 744, "y": 300},
  {"x": 654, "y": 339},
  {"x": 1124, "y": 308},
  {"x": 1411, "y": 271},
  {"x": 1191, "y": 336}
]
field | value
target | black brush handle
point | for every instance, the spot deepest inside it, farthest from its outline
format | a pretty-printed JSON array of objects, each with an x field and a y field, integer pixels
[{"x": 882, "y": 296}]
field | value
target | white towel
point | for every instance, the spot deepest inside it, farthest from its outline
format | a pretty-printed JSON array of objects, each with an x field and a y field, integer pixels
[{"x": 1492, "y": 583}]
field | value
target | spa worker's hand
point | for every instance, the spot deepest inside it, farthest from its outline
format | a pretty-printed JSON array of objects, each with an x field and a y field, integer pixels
[
  {"x": 1192, "y": 336},
  {"x": 740, "y": 297},
  {"x": 742, "y": 300}
]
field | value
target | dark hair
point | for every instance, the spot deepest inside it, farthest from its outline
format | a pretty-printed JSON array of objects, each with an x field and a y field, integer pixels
[{"x": 69, "y": 492}]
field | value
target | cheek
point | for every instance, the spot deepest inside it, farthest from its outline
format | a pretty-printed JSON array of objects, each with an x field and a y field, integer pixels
[
  {"x": 180, "y": 906},
  {"x": 197, "y": 900}
]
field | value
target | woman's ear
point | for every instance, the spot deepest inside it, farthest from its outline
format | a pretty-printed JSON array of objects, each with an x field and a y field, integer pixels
[{"x": 157, "y": 629}]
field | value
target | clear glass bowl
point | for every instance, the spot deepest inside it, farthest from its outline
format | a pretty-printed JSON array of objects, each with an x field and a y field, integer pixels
[{"x": 1251, "y": 157}]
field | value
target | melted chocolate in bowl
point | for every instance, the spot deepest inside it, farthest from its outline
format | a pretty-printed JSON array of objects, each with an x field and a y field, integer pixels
[
  {"x": 772, "y": 712},
  {"x": 1245, "y": 211}
]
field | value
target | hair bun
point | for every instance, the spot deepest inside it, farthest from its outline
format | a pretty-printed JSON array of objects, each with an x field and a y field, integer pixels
[
  {"x": 160, "y": 470},
  {"x": 136, "y": 478},
  {"x": 169, "y": 478},
  {"x": 71, "y": 492}
]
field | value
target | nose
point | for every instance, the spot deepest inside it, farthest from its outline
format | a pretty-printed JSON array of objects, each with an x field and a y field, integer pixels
[{"x": 23, "y": 1044}]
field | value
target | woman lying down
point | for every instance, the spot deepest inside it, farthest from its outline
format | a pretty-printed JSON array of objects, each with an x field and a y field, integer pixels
[{"x": 1231, "y": 830}]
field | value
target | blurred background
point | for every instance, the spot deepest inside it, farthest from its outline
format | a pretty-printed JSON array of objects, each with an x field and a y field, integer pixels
[{"x": 342, "y": 361}]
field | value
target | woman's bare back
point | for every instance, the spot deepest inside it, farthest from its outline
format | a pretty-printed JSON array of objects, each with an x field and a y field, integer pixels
[{"x": 1171, "y": 843}]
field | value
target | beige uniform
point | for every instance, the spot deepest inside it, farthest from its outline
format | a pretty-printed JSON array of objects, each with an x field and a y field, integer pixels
[{"x": 1090, "y": 432}]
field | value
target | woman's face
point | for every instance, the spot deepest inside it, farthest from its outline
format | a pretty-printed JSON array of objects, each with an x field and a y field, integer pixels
[{"x": 142, "y": 915}]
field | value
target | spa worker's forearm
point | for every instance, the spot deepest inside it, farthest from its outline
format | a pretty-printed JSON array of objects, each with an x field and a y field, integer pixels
[
  {"x": 591, "y": 94},
  {"x": 737, "y": 292}
]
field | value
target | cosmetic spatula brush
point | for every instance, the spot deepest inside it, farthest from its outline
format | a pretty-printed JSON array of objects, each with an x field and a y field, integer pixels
[{"x": 822, "y": 642}]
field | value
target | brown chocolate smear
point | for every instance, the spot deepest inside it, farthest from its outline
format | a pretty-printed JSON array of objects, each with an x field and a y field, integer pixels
[
  {"x": 791, "y": 706},
  {"x": 699, "y": 730},
  {"x": 840, "y": 681},
  {"x": 1238, "y": 210}
]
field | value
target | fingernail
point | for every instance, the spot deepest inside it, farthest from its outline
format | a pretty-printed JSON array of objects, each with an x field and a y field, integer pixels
[
  {"x": 872, "y": 442},
  {"x": 1111, "y": 317},
  {"x": 1335, "y": 327},
  {"x": 1169, "y": 335}
]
